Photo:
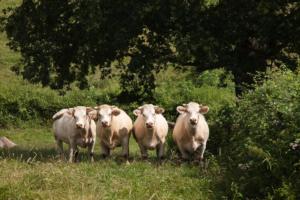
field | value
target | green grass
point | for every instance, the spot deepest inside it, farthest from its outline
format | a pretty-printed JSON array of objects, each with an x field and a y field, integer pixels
[{"x": 33, "y": 171}]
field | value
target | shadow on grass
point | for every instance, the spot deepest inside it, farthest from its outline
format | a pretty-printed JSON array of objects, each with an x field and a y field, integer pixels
[
  {"x": 50, "y": 154},
  {"x": 29, "y": 155}
]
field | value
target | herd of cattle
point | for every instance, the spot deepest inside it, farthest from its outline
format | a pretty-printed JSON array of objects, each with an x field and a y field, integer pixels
[{"x": 79, "y": 126}]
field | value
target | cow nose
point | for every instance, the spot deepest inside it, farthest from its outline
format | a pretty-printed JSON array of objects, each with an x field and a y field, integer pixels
[
  {"x": 79, "y": 125},
  {"x": 149, "y": 124},
  {"x": 104, "y": 124},
  {"x": 193, "y": 121}
]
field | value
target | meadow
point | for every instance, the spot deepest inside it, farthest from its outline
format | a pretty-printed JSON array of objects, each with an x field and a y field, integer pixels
[{"x": 33, "y": 171}]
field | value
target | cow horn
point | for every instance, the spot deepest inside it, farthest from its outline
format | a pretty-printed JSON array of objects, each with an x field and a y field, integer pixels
[{"x": 184, "y": 104}]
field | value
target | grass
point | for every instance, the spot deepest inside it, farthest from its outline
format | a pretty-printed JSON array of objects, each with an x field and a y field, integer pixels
[{"x": 34, "y": 171}]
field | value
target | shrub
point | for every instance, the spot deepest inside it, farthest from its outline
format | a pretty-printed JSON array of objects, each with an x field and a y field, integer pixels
[
  {"x": 21, "y": 103},
  {"x": 261, "y": 162}
]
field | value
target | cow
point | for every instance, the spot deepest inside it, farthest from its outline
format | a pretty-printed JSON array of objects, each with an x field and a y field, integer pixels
[
  {"x": 75, "y": 127},
  {"x": 150, "y": 129},
  {"x": 114, "y": 128},
  {"x": 191, "y": 131}
]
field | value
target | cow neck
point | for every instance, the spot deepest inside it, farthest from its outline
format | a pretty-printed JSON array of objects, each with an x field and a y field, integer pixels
[
  {"x": 193, "y": 131},
  {"x": 151, "y": 132},
  {"x": 108, "y": 134}
]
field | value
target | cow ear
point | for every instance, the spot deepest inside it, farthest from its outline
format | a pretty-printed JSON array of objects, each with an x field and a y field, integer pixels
[
  {"x": 181, "y": 109},
  {"x": 204, "y": 109},
  {"x": 71, "y": 111},
  {"x": 116, "y": 111},
  {"x": 59, "y": 114},
  {"x": 93, "y": 115},
  {"x": 137, "y": 112},
  {"x": 159, "y": 110}
]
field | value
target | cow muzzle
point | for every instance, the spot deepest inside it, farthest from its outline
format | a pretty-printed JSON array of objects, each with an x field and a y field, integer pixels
[
  {"x": 105, "y": 124},
  {"x": 79, "y": 125},
  {"x": 150, "y": 125},
  {"x": 193, "y": 121}
]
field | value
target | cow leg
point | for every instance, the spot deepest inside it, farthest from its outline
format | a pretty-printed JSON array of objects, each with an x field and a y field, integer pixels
[
  {"x": 144, "y": 151},
  {"x": 91, "y": 150},
  {"x": 105, "y": 151},
  {"x": 203, "y": 147},
  {"x": 125, "y": 148},
  {"x": 60, "y": 149},
  {"x": 160, "y": 151},
  {"x": 76, "y": 153},
  {"x": 71, "y": 155},
  {"x": 73, "y": 149},
  {"x": 184, "y": 154}
]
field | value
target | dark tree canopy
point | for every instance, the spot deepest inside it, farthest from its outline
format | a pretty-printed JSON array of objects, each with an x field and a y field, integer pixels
[
  {"x": 62, "y": 41},
  {"x": 242, "y": 36}
]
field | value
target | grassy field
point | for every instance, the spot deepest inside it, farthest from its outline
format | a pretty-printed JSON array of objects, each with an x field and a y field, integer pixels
[{"x": 33, "y": 171}]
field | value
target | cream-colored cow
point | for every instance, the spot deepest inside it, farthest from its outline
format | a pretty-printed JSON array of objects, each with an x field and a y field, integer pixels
[
  {"x": 114, "y": 127},
  {"x": 150, "y": 129},
  {"x": 75, "y": 127},
  {"x": 191, "y": 131}
]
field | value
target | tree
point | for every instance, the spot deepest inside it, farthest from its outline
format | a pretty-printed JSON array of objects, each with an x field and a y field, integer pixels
[
  {"x": 241, "y": 36},
  {"x": 61, "y": 42}
]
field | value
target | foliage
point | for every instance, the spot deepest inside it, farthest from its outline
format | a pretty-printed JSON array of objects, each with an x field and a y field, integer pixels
[
  {"x": 20, "y": 103},
  {"x": 242, "y": 36},
  {"x": 62, "y": 42},
  {"x": 262, "y": 161},
  {"x": 215, "y": 91}
]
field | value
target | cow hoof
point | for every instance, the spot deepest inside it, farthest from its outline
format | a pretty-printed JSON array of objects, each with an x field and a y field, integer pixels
[
  {"x": 144, "y": 157},
  {"x": 103, "y": 156}
]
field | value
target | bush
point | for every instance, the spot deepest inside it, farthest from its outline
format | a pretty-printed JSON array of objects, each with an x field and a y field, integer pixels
[
  {"x": 214, "y": 92},
  {"x": 21, "y": 103},
  {"x": 262, "y": 163}
]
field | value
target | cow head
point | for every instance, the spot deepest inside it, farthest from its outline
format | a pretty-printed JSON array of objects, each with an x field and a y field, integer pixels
[
  {"x": 105, "y": 114},
  {"x": 148, "y": 112},
  {"x": 80, "y": 114},
  {"x": 193, "y": 110}
]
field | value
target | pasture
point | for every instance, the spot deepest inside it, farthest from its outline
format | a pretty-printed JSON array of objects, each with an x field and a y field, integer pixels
[{"x": 34, "y": 171}]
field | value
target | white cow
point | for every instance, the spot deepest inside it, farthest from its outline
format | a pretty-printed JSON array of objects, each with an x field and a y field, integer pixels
[
  {"x": 114, "y": 127},
  {"x": 191, "y": 131},
  {"x": 75, "y": 127},
  {"x": 150, "y": 129}
]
